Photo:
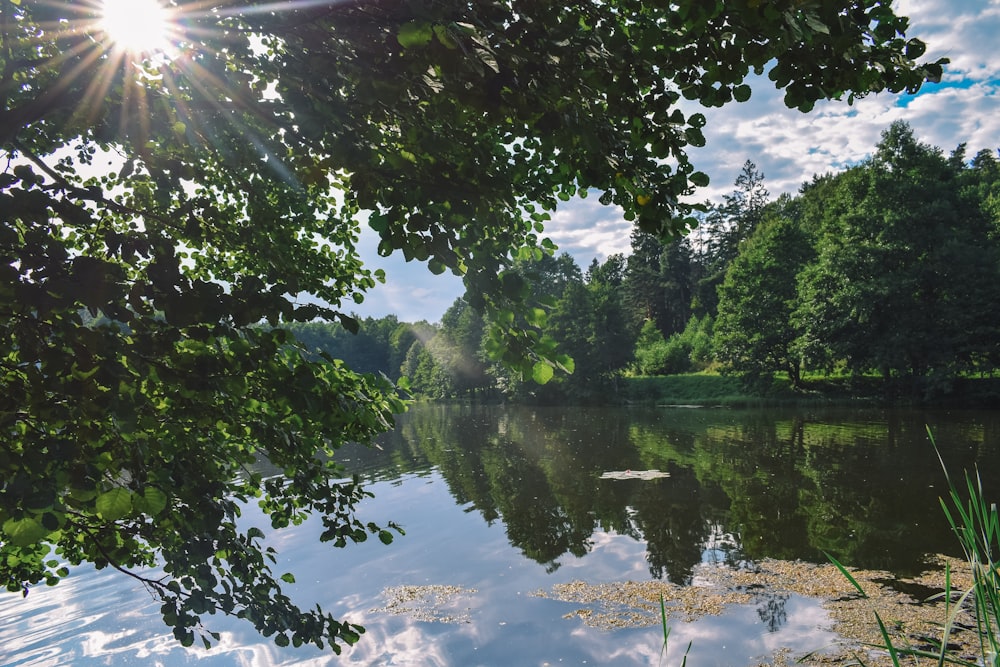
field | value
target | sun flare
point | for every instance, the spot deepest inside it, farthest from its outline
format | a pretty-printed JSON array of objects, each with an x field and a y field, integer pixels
[{"x": 137, "y": 26}]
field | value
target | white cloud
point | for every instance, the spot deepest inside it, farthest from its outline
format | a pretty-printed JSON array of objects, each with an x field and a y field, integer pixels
[{"x": 586, "y": 229}]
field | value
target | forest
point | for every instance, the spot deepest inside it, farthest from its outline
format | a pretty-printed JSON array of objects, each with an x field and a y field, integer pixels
[{"x": 888, "y": 269}]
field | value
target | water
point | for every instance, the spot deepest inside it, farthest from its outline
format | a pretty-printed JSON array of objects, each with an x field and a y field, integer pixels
[{"x": 502, "y": 503}]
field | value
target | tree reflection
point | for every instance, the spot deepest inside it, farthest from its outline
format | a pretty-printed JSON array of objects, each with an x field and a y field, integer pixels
[
  {"x": 771, "y": 611},
  {"x": 743, "y": 485}
]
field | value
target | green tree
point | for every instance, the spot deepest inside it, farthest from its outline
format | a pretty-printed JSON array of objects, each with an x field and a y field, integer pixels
[
  {"x": 658, "y": 282},
  {"x": 724, "y": 230},
  {"x": 643, "y": 284},
  {"x": 612, "y": 334},
  {"x": 651, "y": 353},
  {"x": 905, "y": 275},
  {"x": 754, "y": 334},
  {"x": 461, "y": 333},
  {"x": 402, "y": 338},
  {"x": 156, "y": 208},
  {"x": 366, "y": 350}
]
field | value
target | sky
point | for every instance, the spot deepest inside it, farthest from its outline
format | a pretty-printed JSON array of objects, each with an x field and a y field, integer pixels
[{"x": 787, "y": 146}]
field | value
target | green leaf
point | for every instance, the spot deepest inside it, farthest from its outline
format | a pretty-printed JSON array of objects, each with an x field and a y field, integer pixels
[
  {"x": 699, "y": 178},
  {"x": 694, "y": 137},
  {"x": 441, "y": 32},
  {"x": 816, "y": 25},
  {"x": 415, "y": 33},
  {"x": 288, "y": 578},
  {"x": 542, "y": 372},
  {"x": 566, "y": 363},
  {"x": 742, "y": 93},
  {"x": 23, "y": 532},
  {"x": 114, "y": 504},
  {"x": 536, "y": 317},
  {"x": 152, "y": 501}
]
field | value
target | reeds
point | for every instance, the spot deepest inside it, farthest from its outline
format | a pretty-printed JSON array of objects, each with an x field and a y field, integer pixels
[{"x": 976, "y": 523}]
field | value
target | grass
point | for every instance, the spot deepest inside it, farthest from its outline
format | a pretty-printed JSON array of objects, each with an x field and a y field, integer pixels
[
  {"x": 688, "y": 389},
  {"x": 666, "y": 635},
  {"x": 711, "y": 389},
  {"x": 976, "y": 523}
]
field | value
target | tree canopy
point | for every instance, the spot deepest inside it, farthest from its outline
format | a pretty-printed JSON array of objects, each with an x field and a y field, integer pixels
[{"x": 164, "y": 214}]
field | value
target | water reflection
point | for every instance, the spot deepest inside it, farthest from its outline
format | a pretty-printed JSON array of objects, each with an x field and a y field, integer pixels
[
  {"x": 862, "y": 485},
  {"x": 507, "y": 501}
]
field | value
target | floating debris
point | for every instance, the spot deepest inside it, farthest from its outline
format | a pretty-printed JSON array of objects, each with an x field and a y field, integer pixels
[
  {"x": 635, "y": 474},
  {"x": 426, "y": 603},
  {"x": 910, "y": 621}
]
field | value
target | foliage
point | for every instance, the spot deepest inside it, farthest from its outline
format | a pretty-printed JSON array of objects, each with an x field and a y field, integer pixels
[
  {"x": 904, "y": 269},
  {"x": 684, "y": 352},
  {"x": 689, "y": 389},
  {"x": 658, "y": 282},
  {"x": 651, "y": 350},
  {"x": 976, "y": 523},
  {"x": 754, "y": 334},
  {"x": 158, "y": 208},
  {"x": 378, "y": 346},
  {"x": 724, "y": 228}
]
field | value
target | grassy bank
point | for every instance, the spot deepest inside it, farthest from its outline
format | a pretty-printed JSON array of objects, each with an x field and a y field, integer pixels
[
  {"x": 714, "y": 389},
  {"x": 690, "y": 389}
]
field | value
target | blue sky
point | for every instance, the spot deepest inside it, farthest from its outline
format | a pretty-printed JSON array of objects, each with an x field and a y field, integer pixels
[{"x": 789, "y": 147}]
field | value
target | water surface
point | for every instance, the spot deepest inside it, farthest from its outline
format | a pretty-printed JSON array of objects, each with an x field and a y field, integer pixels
[{"x": 504, "y": 502}]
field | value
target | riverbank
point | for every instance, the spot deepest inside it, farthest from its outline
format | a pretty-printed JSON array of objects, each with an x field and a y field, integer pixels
[{"x": 708, "y": 389}]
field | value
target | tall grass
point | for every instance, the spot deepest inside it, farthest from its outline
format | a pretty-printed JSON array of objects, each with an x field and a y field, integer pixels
[{"x": 976, "y": 523}]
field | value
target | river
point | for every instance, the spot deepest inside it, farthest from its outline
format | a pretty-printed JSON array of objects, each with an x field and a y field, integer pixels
[{"x": 503, "y": 506}]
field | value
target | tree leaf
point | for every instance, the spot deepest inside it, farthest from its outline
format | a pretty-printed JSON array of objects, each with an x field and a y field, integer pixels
[
  {"x": 152, "y": 501},
  {"x": 699, "y": 178},
  {"x": 542, "y": 372},
  {"x": 415, "y": 33},
  {"x": 114, "y": 504},
  {"x": 742, "y": 93},
  {"x": 25, "y": 531}
]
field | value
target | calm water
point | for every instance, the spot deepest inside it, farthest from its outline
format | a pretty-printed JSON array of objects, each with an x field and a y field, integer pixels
[{"x": 504, "y": 502}]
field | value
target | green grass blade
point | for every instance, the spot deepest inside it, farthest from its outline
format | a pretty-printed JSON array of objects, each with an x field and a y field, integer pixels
[
  {"x": 663, "y": 620},
  {"x": 847, "y": 575}
]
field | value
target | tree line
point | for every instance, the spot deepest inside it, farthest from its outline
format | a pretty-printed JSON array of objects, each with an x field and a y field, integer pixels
[{"x": 888, "y": 268}]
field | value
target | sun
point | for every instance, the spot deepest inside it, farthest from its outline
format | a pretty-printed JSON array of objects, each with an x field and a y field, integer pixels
[{"x": 137, "y": 26}]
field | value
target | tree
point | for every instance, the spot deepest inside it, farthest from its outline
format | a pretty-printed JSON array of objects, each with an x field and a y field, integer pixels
[
  {"x": 726, "y": 227},
  {"x": 367, "y": 350},
  {"x": 157, "y": 207},
  {"x": 658, "y": 282},
  {"x": 461, "y": 333},
  {"x": 612, "y": 337},
  {"x": 905, "y": 269},
  {"x": 754, "y": 334}
]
